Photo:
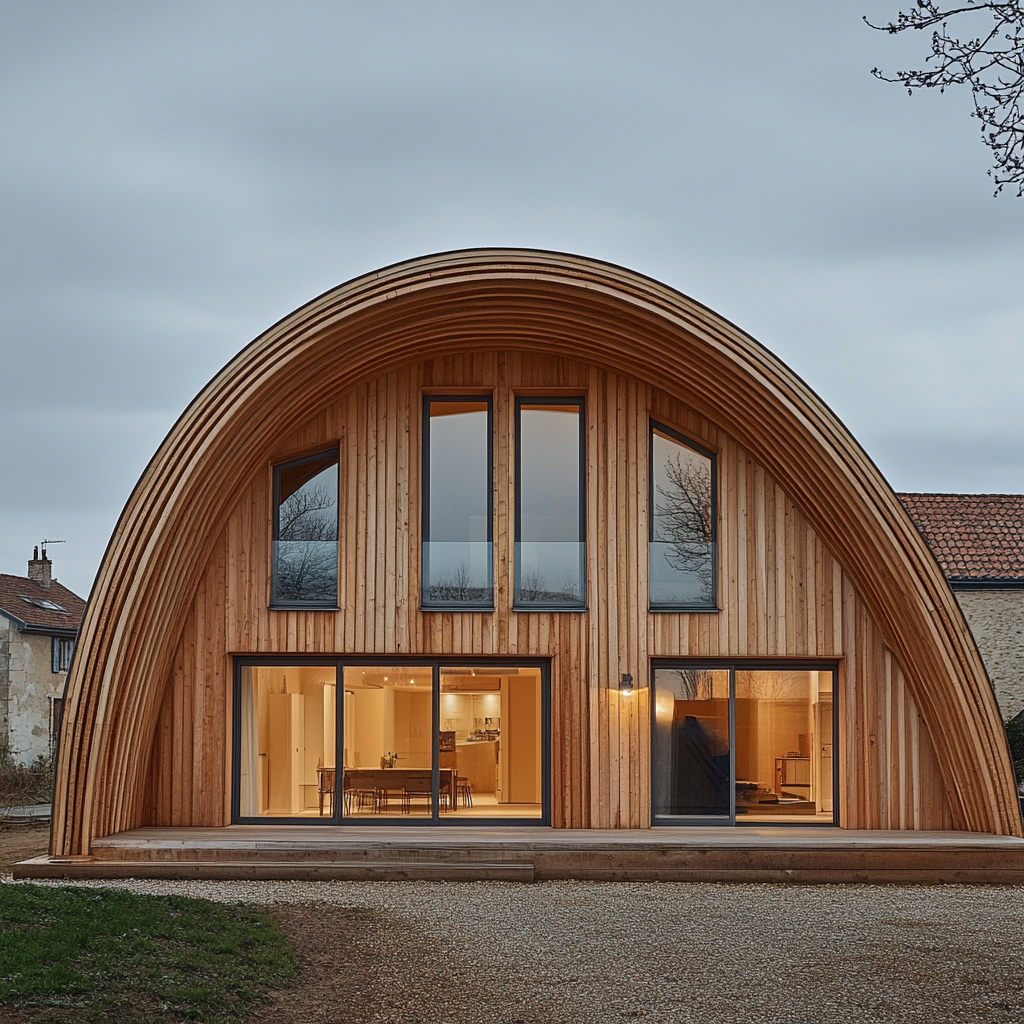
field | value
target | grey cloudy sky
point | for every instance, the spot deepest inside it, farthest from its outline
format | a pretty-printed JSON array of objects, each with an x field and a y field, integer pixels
[{"x": 175, "y": 177}]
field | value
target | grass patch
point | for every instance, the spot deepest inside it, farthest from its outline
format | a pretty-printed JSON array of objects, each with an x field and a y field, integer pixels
[{"x": 96, "y": 955}]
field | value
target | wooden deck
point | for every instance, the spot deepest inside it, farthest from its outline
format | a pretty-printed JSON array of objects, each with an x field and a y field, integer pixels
[{"x": 745, "y": 854}]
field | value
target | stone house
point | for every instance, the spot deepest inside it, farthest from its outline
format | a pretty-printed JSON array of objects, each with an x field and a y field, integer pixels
[
  {"x": 39, "y": 622},
  {"x": 978, "y": 541}
]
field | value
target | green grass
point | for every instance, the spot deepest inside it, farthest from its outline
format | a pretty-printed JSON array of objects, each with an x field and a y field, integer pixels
[{"x": 94, "y": 955}]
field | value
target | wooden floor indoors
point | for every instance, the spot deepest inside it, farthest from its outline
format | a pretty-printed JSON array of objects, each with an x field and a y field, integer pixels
[{"x": 744, "y": 854}]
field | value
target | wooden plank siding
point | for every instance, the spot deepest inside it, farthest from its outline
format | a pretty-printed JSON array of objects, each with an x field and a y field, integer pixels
[{"x": 781, "y": 595}]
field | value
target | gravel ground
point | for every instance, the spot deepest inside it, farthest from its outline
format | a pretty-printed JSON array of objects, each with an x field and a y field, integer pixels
[{"x": 575, "y": 952}]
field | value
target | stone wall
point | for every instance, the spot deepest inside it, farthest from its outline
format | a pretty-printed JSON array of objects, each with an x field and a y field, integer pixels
[{"x": 996, "y": 618}]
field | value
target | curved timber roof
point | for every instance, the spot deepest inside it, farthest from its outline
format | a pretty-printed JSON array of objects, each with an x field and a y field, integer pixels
[{"x": 490, "y": 299}]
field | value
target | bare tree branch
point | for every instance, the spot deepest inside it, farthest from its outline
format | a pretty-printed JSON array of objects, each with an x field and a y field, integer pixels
[
  {"x": 991, "y": 63},
  {"x": 684, "y": 518},
  {"x": 307, "y": 551},
  {"x": 308, "y": 514}
]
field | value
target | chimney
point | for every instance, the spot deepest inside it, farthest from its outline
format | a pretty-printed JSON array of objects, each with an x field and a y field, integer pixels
[{"x": 40, "y": 569}]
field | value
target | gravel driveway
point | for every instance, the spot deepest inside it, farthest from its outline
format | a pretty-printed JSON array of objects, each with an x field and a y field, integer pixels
[{"x": 399, "y": 953}]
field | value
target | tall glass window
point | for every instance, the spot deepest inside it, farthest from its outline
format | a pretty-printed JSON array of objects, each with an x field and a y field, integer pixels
[
  {"x": 682, "y": 514},
  {"x": 305, "y": 555},
  {"x": 550, "y": 556},
  {"x": 457, "y": 503}
]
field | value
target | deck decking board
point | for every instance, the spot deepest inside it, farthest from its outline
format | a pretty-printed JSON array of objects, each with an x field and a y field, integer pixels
[{"x": 744, "y": 854}]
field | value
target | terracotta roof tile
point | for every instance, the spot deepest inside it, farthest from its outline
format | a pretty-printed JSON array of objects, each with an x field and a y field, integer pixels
[
  {"x": 973, "y": 536},
  {"x": 15, "y": 589}
]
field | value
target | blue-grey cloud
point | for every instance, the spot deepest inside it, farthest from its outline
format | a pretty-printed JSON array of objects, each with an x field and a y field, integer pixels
[{"x": 177, "y": 177}]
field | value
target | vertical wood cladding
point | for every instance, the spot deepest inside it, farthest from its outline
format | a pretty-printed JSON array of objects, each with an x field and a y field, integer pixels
[{"x": 781, "y": 594}]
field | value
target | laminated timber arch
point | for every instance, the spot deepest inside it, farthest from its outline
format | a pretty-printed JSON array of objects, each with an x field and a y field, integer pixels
[{"x": 490, "y": 300}]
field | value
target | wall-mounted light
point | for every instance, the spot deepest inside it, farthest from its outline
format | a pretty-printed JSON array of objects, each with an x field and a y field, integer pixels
[{"x": 626, "y": 685}]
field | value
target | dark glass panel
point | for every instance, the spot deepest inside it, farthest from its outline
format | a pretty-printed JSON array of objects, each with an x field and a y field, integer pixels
[
  {"x": 306, "y": 532},
  {"x": 682, "y": 525},
  {"x": 550, "y": 549},
  {"x": 457, "y": 555},
  {"x": 691, "y": 743}
]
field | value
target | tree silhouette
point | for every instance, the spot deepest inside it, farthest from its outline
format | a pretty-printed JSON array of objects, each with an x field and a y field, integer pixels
[
  {"x": 307, "y": 549},
  {"x": 991, "y": 63},
  {"x": 457, "y": 586},
  {"x": 533, "y": 588},
  {"x": 683, "y": 518}
]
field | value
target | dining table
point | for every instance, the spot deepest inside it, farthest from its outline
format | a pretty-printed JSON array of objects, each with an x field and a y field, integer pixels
[{"x": 385, "y": 782}]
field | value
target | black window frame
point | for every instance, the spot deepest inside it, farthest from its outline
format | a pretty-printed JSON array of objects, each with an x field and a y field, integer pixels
[
  {"x": 427, "y": 605},
  {"x": 276, "y": 604},
  {"x": 734, "y": 665},
  {"x": 572, "y": 400},
  {"x": 436, "y": 663},
  {"x": 662, "y": 607}
]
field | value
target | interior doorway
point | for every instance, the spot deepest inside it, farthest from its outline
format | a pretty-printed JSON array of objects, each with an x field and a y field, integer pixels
[{"x": 743, "y": 743}]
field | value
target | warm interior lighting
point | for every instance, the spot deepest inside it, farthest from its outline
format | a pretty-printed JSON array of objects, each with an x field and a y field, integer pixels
[{"x": 664, "y": 705}]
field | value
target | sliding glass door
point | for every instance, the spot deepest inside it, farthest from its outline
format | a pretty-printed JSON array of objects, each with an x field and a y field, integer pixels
[
  {"x": 285, "y": 732},
  {"x": 396, "y": 742},
  {"x": 492, "y": 741},
  {"x": 387, "y": 758},
  {"x": 743, "y": 743}
]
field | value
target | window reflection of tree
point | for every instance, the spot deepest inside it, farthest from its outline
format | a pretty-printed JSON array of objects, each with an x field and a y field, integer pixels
[
  {"x": 683, "y": 518},
  {"x": 770, "y": 685},
  {"x": 534, "y": 589},
  {"x": 307, "y": 562},
  {"x": 458, "y": 586},
  {"x": 693, "y": 684}
]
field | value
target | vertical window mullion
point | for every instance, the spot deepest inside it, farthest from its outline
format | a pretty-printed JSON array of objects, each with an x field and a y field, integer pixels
[
  {"x": 732, "y": 744},
  {"x": 339, "y": 742},
  {"x": 435, "y": 755}
]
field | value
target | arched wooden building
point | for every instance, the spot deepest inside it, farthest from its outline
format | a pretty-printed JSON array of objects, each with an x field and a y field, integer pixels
[{"x": 520, "y": 537}]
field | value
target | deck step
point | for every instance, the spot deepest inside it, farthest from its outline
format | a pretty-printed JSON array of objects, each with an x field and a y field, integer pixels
[
  {"x": 817, "y": 855},
  {"x": 286, "y": 870},
  {"x": 864, "y": 870}
]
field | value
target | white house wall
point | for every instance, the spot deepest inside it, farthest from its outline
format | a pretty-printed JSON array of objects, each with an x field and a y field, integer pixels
[{"x": 27, "y": 685}]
